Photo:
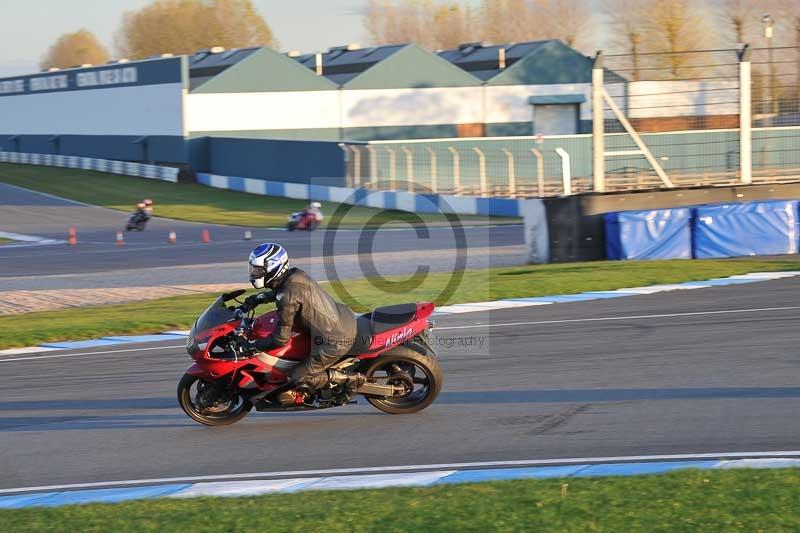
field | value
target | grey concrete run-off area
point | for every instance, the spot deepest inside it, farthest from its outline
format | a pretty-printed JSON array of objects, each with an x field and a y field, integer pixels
[{"x": 714, "y": 370}]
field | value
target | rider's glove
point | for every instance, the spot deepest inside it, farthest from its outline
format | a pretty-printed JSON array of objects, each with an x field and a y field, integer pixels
[{"x": 257, "y": 299}]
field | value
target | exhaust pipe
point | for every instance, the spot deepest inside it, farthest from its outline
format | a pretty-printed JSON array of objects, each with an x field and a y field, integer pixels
[{"x": 374, "y": 389}]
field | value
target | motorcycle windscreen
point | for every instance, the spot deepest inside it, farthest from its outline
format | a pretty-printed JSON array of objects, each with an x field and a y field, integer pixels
[{"x": 214, "y": 315}]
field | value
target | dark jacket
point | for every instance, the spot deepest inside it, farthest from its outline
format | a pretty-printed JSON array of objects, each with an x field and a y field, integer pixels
[{"x": 300, "y": 300}]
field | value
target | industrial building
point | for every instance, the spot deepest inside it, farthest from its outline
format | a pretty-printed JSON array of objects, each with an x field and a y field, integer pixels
[
  {"x": 170, "y": 109},
  {"x": 346, "y": 93}
]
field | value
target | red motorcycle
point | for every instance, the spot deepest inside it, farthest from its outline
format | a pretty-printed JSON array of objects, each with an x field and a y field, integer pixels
[
  {"x": 303, "y": 220},
  {"x": 393, "y": 349}
]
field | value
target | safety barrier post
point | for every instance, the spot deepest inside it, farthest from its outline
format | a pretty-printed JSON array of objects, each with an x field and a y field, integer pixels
[
  {"x": 356, "y": 166},
  {"x": 539, "y": 172},
  {"x": 409, "y": 168},
  {"x": 745, "y": 117},
  {"x": 598, "y": 125},
  {"x": 481, "y": 169},
  {"x": 512, "y": 178},
  {"x": 566, "y": 171},
  {"x": 456, "y": 170},
  {"x": 434, "y": 177},
  {"x": 373, "y": 166},
  {"x": 392, "y": 169}
]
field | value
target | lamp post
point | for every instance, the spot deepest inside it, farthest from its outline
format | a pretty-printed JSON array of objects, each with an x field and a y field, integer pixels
[{"x": 768, "y": 23}]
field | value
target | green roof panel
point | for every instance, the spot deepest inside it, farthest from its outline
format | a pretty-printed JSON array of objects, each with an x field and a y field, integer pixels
[
  {"x": 412, "y": 67},
  {"x": 265, "y": 71},
  {"x": 552, "y": 63}
]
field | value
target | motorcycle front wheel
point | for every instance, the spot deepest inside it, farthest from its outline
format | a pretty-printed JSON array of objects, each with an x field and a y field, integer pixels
[{"x": 206, "y": 403}]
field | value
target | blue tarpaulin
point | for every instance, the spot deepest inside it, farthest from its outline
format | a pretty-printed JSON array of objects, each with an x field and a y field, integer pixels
[
  {"x": 654, "y": 234},
  {"x": 753, "y": 228}
]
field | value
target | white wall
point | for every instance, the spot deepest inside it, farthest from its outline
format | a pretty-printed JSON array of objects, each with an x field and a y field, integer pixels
[
  {"x": 447, "y": 105},
  {"x": 411, "y": 107},
  {"x": 369, "y": 108},
  {"x": 683, "y": 98},
  {"x": 510, "y": 103},
  {"x": 262, "y": 111},
  {"x": 132, "y": 110}
]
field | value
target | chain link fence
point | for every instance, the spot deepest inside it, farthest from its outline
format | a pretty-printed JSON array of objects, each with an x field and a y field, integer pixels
[
  {"x": 669, "y": 119},
  {"x": 775, "y": 113},
  {"x": 685, "y": 108}
]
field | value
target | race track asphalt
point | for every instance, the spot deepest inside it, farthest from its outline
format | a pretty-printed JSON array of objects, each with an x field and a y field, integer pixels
[
  {"x": 711, "y": 370},
  {"x": 30, "y": 213}
]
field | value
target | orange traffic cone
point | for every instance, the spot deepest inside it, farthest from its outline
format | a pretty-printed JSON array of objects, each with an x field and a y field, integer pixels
[
  {"x": 72, "y": 236},
  {"x": 248, "y": 235},
  {"x": 173, "y": 238},
  {"x": 120, "y": 239},
  {"x": 206, "y": 236}
]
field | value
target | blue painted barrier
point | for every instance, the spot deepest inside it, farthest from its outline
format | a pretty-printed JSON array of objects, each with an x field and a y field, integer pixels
[{"x": 405, "y": 201}]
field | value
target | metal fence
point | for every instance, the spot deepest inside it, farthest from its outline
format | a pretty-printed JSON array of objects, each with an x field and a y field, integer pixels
[
  {"x": 499, "y": 167},
  {"x": 699, "y": 118}
]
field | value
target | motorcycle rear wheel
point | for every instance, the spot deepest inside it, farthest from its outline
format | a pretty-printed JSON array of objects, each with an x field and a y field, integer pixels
[
  {"x": 409, "y": 362},
  {"x": 222, "y": 417}
]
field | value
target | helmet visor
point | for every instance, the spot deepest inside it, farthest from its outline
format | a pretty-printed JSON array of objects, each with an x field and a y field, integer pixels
[{"x": 257, "y": 272}]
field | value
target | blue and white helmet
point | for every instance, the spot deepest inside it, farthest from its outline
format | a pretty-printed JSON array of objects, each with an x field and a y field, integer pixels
[{"x": 268, "y": 262}]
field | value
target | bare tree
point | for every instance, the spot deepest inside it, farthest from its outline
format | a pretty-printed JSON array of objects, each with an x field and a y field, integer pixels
[
  {"x": 454, "y": 25},
  {"x": 512, "y": 20},
  {"x": 74, "y": 49},
  {"x": 675, "y": 27},
  {"x": 739, "y": 19},
  {"x": 567, "y": 20},
  {"x": 627, "y": 24},
  {"x": 429, "y": 23},
  {"x": 446, "y": 23},
  {"x": 185, "y": 26},
  {"x": 786, "y": 14}
]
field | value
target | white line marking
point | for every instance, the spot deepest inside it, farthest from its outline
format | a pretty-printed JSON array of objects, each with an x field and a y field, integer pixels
[
  {"x": 653, "y": 289},
  {"x": 491, "y": 325},
  {"x": 89, "y": 353},
  {"x": 633, "y": 317},
  {"x": 405, "y": 468}
]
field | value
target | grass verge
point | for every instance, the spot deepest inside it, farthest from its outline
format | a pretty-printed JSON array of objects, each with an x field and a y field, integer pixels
[
  {"x": 474, "y": 286},
  {"x": 191, "y": 201},
  {"x": 693, "y": 500}
]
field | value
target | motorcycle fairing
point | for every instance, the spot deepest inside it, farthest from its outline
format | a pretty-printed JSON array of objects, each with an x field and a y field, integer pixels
[{"x": 268, "y": 370}]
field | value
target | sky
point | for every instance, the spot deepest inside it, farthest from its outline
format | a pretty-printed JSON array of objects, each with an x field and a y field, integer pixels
[{"x": 28, "y": 28}]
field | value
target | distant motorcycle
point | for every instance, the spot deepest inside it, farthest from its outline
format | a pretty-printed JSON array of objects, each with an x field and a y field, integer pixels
[
  {"x": 303, "y": 220},
  {"x": 137, "y": 221}
]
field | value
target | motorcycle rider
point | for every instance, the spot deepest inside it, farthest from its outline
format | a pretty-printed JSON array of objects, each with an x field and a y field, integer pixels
[
  {"x": 148, "y": 207},
  {"x": 144, "y": 209},
  {"x": 300, "y": 300},
  {"x": 314, "y": 208}
]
